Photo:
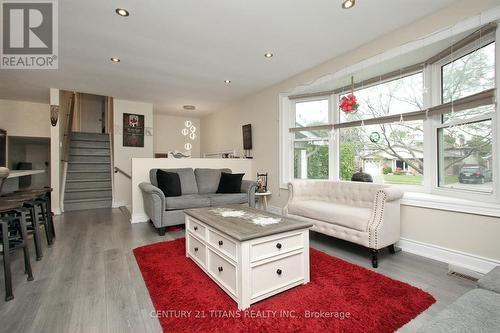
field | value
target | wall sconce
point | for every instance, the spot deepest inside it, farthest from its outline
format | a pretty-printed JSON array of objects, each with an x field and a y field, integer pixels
[{"x": 54, "y": 114}]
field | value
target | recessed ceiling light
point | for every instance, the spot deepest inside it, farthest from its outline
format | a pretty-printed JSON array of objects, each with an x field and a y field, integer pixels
[
  {"x": 268, "y": 55},
  {"x": 348, "y": 4},
  {"x": 115, "y": 59},
  {"x": 227, "y": 81},
  {"x": 122, "y": 12},
  {"x": 189, "y": 107}
]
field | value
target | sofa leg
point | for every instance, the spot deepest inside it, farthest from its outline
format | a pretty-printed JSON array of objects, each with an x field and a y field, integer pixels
[
  {"x": 374, "y": 257},
  {"x": 161, "y": 231},
  {"x": 392, "y": 250}
]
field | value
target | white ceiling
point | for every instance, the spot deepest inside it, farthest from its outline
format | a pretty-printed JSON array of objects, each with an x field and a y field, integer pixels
[{"x": 179, "y": 52}]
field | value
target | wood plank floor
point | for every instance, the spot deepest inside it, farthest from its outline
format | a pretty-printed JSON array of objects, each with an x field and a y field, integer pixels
[{"x": 88, "y": 281}]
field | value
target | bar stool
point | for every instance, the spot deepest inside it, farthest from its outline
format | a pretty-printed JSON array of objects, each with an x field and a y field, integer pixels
[
  {"x": 45, "y": 205},
  {"x": 32, "y": 203},
  {"x": 13, "y": 236}
]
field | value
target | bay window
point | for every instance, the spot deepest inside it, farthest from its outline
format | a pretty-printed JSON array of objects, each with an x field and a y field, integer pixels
[{"x": 429, "y": 127}]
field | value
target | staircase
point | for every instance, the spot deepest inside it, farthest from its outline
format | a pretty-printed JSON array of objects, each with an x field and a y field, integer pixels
[{"x": 88, "y": 179}]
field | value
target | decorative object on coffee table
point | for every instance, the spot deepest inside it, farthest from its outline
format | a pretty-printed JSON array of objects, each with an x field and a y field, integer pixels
[
  {"x": 250, "y": 254},
  {"x": 262, "y": 197}
]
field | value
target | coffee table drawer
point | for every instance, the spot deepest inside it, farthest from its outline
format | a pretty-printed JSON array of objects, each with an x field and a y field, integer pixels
[
  {"x": 270, "y": 248},
  {"x": 197, "y": 250},
  {"x": 276, "y": 274},
  {"x": 222, "y": 270},
  {"x": 223, "y": 244},
  {"x": 197, "y": 228}
]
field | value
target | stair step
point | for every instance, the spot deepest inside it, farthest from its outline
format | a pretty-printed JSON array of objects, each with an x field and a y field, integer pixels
[
  {"x": 89, "y": 136},
  {"x": 90, "y": 151},
  {"x": 90, "y": 189},
  {"x": 84, "y": 204},
  {"x": 86, "y": 184},
  {"x": 89, "y": 167},
  {"x": 89, "y": 158},
  {"x": 90, "y": 175},
  {"x": 89, "y": 144},
  {"x": 88, "y": 194},
  {"x": 88, "y": 180}
]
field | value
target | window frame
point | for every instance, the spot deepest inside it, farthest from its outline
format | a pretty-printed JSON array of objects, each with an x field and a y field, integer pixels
[
  {"x": 432, "y": 96},
  {"x": 436, "y": 124},
  {"x": 291, "y": 140}
]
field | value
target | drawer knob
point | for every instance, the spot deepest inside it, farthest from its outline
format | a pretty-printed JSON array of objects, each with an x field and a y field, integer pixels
[
  {"x": 279, "y": 271},
  {"x": 278, "y": 245},
  {"x": 221, "y": 243},
  {"x": 195, "y": 249},
  {"x": 195, "y": 228},
  {"x": 220, "y": 268}
]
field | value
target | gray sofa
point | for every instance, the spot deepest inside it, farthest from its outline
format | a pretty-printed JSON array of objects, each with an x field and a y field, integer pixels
[
  {"x": 476, "y": 311},
  {"x": 198, "y": 187}
]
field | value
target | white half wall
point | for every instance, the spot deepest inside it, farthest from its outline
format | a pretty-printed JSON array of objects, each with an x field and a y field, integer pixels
[
  {"x": 141, "y": 167},
  {"x": 122, "y": 156}
]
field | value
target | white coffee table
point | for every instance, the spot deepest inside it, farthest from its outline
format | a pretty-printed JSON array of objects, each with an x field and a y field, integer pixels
[{"x": 249, "y": 261}]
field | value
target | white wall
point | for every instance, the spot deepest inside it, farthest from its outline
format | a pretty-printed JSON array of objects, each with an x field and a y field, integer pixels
[
  {"x": 55, "y": 156},
  {"x": 168, "y": 137},
  {"x": 222, "y": 130},
  {"x": 122, "y": 156},
  {"x": 20, "y": 118},
  {"x": 141, "y": 167}
]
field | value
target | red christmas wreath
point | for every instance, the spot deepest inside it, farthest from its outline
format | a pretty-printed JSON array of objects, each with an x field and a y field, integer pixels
[{"x": 348, "y": 103}]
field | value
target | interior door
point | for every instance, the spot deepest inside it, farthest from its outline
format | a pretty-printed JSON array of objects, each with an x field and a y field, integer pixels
[{"x": 92, "y": 113}]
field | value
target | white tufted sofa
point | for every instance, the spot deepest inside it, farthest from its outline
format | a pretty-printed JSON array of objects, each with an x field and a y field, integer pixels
[{"x": 362, "y": 213}]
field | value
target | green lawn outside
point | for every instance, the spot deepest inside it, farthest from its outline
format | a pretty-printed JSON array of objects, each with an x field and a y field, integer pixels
[
  {"x": 414, "y": 180},
  {"x": 403, "y": 179}
]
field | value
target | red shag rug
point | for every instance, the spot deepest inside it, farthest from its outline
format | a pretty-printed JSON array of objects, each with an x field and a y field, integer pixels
[{"x": 341, "y": 297}]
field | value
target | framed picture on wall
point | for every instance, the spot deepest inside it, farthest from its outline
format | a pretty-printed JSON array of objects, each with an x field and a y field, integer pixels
[{"x": 133, "y": 130}]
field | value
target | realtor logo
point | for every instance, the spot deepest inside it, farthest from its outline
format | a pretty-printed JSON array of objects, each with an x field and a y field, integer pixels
[{"x": 29, "y": 34}]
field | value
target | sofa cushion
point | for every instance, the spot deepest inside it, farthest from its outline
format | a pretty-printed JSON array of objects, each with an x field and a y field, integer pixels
[
  {"x": 169, "y": 183},
  {"x": 476, "y": 311},
  {"x": 187, "y": 201},
  {"x": 186, "y": 175},
  {"x": 230, "y": 183},
  {"x": 208, "y": 179},
  {"x": 491, "y": 281},
  {"x": 352, "y": 217},
  {"x": 227, "y": 198}
]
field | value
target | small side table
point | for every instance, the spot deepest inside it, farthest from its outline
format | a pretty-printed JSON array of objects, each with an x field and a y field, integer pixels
[{"x": 262, "y": 196}]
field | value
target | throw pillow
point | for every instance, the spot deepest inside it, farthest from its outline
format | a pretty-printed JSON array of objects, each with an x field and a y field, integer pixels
[
  {"x": 169, "y": 183},
  {"x": 230, "y": 182}
]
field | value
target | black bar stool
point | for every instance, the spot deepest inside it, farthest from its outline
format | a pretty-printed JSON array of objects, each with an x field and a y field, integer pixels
[
  {"x": 45, "y": 205},
  {"x": 13, "y": 236},
  {"x": 34, "y": 206}
]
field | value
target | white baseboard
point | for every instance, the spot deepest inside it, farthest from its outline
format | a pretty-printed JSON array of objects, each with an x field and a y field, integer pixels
[
  {"x": 117, "y": 204},
  {"x": 56, "y": 211},
  {"x": 139, "y": 218},
  {"x": 457, "y": 261}
]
